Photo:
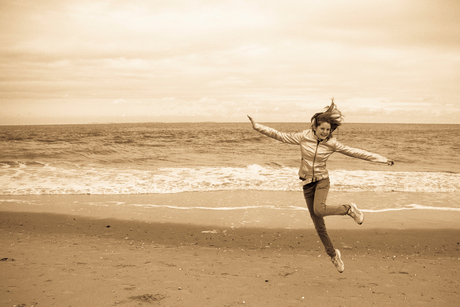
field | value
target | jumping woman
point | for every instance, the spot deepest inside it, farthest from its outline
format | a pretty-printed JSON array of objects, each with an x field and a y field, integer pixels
[{"x": 317, "y": 144}]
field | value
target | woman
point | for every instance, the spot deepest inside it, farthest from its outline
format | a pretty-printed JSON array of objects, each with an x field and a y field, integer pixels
[{"x": 316, "y": 145}]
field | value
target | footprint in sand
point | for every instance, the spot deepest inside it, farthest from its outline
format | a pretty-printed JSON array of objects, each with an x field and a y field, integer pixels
[{"x": 147, "y": 298}]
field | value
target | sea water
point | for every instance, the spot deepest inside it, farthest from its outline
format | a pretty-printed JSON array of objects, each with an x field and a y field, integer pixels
[{"x": 160, "y": 158}]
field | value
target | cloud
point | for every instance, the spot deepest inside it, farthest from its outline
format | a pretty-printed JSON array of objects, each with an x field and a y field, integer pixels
[
  {"x": 119, "y": 101},
  {"x": 251, "y": 56}
]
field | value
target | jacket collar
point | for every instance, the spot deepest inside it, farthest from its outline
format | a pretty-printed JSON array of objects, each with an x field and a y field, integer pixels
[{"x": 316, "y": 138}]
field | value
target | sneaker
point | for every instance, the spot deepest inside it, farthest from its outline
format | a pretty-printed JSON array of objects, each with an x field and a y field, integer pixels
[
  {"x": 356, "y": 214},
  {"x": 337, "y": 261}
]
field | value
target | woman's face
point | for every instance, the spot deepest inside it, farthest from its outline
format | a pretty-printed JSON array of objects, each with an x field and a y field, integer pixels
[{"x": 323, "y": 130}]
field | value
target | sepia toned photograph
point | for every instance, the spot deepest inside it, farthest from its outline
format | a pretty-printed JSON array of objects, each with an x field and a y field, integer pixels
[{"x": 229, "y": 153}]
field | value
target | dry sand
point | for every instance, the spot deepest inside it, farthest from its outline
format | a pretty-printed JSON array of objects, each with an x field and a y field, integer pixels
[{"x": 78, "y": 255}]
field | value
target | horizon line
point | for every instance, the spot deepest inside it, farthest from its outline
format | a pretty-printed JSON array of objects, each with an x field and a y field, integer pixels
[{"x": 210, "y": 122}]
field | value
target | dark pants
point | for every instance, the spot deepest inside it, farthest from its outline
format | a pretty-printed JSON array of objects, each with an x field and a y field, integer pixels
[{"x": 315, "y": 194}]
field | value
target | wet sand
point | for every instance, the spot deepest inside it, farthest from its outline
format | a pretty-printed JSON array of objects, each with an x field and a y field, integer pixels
[{"x": 80, "y": 255}]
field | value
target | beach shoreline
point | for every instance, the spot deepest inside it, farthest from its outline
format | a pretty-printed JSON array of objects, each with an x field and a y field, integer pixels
[
  {"x": 256, "y": 209},
  {"x": 87, "y": 254}
]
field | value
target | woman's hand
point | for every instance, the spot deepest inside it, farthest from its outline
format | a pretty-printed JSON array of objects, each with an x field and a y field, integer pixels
[
  {"x": 252, "y": 121},
  {"x": 390, "y": 162}
]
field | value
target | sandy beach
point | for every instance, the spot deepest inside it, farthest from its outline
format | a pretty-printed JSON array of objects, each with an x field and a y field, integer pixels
[{"x": 60, "y": 251}]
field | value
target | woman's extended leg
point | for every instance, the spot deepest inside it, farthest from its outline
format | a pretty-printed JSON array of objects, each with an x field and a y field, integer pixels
[
  {"x": 318, "y": 221},
  {"x": 311, "y": 193}
]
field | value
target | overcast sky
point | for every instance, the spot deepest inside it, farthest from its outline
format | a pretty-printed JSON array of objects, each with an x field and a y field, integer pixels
[{"x": 78, "y": 61}]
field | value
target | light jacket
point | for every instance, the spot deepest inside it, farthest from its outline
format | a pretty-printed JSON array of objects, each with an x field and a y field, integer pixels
[{"x": 315, "y": 152}]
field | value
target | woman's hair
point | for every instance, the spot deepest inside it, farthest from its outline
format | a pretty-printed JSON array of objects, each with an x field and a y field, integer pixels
[{"x": 331, "y": 115}]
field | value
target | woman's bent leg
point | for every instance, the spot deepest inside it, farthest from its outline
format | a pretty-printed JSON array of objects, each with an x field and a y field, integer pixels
[
  {"x": 320, "y": 226},
  {"x": 319, "y": 205}
]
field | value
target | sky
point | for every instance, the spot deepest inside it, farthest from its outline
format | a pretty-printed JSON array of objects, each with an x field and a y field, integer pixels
[{"x": 79, "y": 61}]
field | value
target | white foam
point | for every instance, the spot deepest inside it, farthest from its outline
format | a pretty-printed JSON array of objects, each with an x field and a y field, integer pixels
[
  {"x": 291, "y": 208},
  {"x": 50, "y": 179},
  {"x": 16, "y": 201},
  {"x": 413, "y": 207},
  {"x": 283, "y": 208}
]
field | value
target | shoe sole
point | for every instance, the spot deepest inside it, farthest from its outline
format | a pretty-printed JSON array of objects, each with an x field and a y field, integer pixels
[
  {"x": 356, "y": 207},
  {"x": 340, "y": 257},
  {"x": 363, "y": 218}
]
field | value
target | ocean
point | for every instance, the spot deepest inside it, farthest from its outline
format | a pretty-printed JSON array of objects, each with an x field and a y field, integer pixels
[{"x": 161, "y": 158}]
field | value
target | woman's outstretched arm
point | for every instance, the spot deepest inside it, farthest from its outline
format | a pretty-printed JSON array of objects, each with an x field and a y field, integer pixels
[
  {"x": 290, "y": 138},
  {"x": 361, "y": 154},
  {"x": 252, "y": 121}
]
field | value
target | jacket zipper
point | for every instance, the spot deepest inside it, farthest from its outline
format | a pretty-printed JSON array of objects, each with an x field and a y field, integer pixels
[{"x": 314, "y": 158}]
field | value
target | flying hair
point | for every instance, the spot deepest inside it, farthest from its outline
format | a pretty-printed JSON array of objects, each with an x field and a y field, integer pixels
[{"x": 330, "y": 115}]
